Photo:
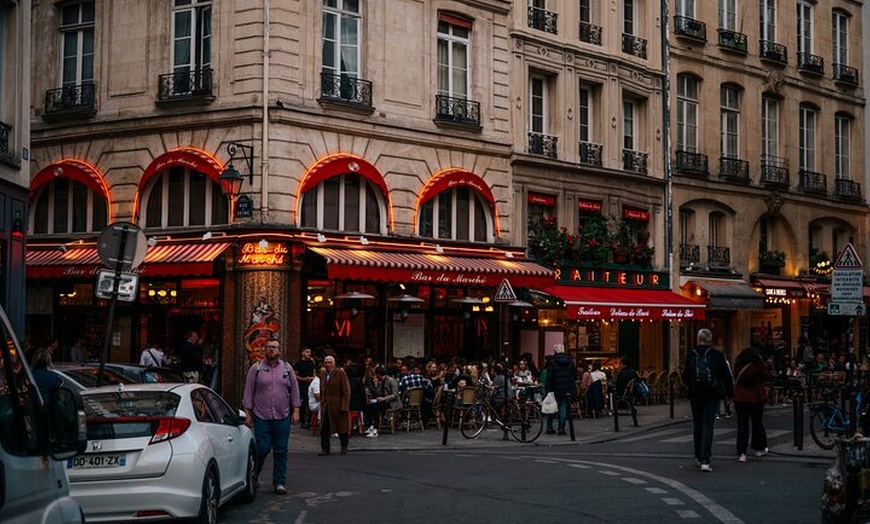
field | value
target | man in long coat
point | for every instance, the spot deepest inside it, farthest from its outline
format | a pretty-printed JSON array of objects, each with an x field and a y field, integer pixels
[{"x": 334, "y": 405}]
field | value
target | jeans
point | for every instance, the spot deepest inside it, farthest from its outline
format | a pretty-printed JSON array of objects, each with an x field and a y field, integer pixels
[
  {"x": 564, "y": 410},
  {"x": 703, "y": 419},
  {"x": 273, "y": 435},
  {"x": 747, "y": 411}
]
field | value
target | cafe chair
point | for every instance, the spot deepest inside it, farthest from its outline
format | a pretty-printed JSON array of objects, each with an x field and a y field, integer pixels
[
  {"x": 464, "y": 400},
  {"x": 437, "y": 413},
  {"x": 358, "y": 417},
  {"x": 314, "y": 420},
  {"x": 651, "y": 379},
  {"x": 412, "y": 408}
]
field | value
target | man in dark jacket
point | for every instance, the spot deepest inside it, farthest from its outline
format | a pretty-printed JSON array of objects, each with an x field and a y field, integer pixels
[
  {"x": 561, "y": 380},
  {"x": 708, "y": 380},
  {"x": 190, "y": 357}
]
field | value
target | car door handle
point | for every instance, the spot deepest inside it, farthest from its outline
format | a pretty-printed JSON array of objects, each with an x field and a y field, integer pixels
[{"x": 231, "y": 437}]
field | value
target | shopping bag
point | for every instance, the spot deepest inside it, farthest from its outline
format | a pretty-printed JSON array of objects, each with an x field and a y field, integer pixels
[{"x": 549, "y": 405}]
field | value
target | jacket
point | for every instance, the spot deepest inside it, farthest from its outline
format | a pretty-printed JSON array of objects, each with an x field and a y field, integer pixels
[
  {"x": 335, "y": 400},
  {"x": 561, "y": 376},
  {"x": 723, "y": 382},
  {"x": 749, "y": 383}
]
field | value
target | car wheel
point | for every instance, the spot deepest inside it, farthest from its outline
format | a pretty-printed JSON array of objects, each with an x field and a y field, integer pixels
[
  {"x": 208, "y": 508},
  {"x": 250, "y": 491}
]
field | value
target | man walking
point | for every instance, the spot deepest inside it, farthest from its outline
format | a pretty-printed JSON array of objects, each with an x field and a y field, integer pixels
[
  {"x": 190, "y": 357},
  {"x": 304, "y": 368},
  {"x": 271, "y": 398},
  {"x": 708, "y": 381},
  {"x": 561, "y": 380},
  {"x": 334, "y": 405}
]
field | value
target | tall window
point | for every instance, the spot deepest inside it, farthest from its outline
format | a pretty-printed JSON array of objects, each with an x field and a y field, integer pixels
[
  {"x": 687, "y": 217},
  {"x": 728, "y": 14},
  {"x": 586, "y": 11},
  {"x": 458, "y": 214},
  {"x": 179, "y": 197},
  {"x": 687, "y": 113},
  {"x": 453, "y": 66},
  {"x": 77, "y": 37},
  {"x": 191, "y": 37},
  {"x": 768, "y": 20},
  {"x": 585, "y": 116},
  {"x": 729, "y": 120},
  {"x": 807, "y": 140},
  {"x": 628, "y": 138},
  {"x": 341, "y": 38},
  {"x": 764, "y": 230},
  {"x": 840, "y": 37},
  {"x": 628, "y": 16},
  {"x": 67, "y": 206},
  {"x": 769, "y": 127},
  {"x": 805, "y": 27},
  {"x": 347, "y": 202},
  {"x": 842, "y": 146},
  {"x": 714, "y": 229},
  {"x": 542, "y": 211},
  {"x": 538, "y": 106},
  {"x": 685, "y": 8}
]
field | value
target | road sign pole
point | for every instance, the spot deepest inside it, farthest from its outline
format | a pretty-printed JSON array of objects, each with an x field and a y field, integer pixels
[{"x": 110, "y": 321}]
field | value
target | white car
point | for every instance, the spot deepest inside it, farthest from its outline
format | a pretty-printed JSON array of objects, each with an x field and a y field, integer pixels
[{"x": 161, "y": 451}]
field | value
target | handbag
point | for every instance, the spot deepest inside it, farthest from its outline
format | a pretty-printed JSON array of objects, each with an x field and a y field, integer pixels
[
  {"x": 549, "y": 406},
  {"x": 641, "y": 389}
]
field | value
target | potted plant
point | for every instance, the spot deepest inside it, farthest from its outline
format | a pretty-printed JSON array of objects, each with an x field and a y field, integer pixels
[
  {"x": 772, "y": 258},
  {"x": 641, "y": 254},
  {"x": 592, "y": 242},
  {"x": 620, "y": 240},
  {"x": 548, "y": 243}
]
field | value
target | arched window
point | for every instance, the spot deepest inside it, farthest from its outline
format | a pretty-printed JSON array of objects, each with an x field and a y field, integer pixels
[
  {"x": 459, "y": 213},
  {"x": 179, "y": 197},
  {"x": 65, "y": 206},
  {"x": 347, "y": 202}
]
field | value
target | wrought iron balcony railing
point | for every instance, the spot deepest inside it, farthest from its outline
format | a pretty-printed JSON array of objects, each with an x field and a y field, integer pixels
[
  {"x": 690, "y": 254},
  {"x": 7, "y": 156},
  {"x": 772, "y": 51},
  {"x": 346, "y": 89},
  {"x": 811, "y": 63},
  {"x": 848, "y": 189},
  {"x": 774, "y": 171},
  {"x": 457, "y": 110},
  {"x": 634, "y": 161},
  {"x": 634, "y": 45},
  {"x": 690, "y": 28},
  {"x": 590, "y": 153},
  {"x": 75, "y": 100},
  {"x": 193, "y": 83},
  {"x": 734, "y": 169},
  {"x": 733, "y": 41},
  {"x": 845, "y": 74},
  {"x": 541, "y": 144},
  {"x": 718, "y": 256},
  {"x": 589, "y": 33},
  {"x": 691, "y": 163},
  {"x": 543, "y": 20},
  {"x": 812, "y": 181}
]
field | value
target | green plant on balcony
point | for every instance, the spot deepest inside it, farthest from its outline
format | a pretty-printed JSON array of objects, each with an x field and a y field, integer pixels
[
  {"x": 772, "y": 258},
  {"x": 642, "y": 255},
  {"x": 593, "y": 240},
  {"x": 549, "y": 244}
]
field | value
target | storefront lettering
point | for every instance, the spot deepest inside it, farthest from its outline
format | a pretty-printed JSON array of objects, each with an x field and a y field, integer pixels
[
  {"x": 585, "y": 312},
  {"x": 678, "y": 313},
  {"x": 272, "y": 254},
  {"x": 775, "y": 292},
  {"x": 445, "y": 278},
  {"x": 616, "y": 312},
  {"x": 619, "y": 278}
]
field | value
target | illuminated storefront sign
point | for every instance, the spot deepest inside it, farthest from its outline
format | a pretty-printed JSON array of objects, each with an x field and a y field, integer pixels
[
  {"x": 263, "y": 254},
  {"x": 613, "y": 277}
]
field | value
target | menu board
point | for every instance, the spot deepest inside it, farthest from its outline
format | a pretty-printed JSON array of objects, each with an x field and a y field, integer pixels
[{"x": 409, "y": 337}]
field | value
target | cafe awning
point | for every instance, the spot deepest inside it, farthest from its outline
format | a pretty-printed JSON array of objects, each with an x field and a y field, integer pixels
[
  {"x": 726, "y": 294},
  {"x": 160, "y": 260},
  {"x": 627, "y": 304},
  {"x": 781, "y": 288},
  {"x": 428, "y": 268}
]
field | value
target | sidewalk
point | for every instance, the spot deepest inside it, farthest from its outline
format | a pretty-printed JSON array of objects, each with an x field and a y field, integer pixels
[{"x": 586, "y": 431}]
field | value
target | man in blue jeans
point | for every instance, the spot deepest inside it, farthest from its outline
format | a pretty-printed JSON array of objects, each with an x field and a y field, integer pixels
[
  {"x": 562, "y": 381},
  {"x": 271, "y": 398}
]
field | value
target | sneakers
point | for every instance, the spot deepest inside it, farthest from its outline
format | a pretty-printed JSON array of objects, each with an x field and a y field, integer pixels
[
  {"x": 762, "y": 452},
  {"x": 561, "y": 432},
  {"x": 707, "y": 468},
  {"x": 551, "y": 431},
  {"x": 371, "y": 433},
  {"x": 698, "y": 463},
  {"x": 280, "y": 490},
  {"x": 742, "y": 457}
]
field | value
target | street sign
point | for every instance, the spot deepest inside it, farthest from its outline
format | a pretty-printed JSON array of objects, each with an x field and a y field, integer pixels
[
  {"x": 849, "y": 259},
  {"x": 505, "y": 292},
  {"x": 134, "y": 242},
  {"x": 849, "y": 309},
  {"x": 244, "y": 207},
  {"x": 128, "y": 285},
  {"x": 847, "y": 280}
]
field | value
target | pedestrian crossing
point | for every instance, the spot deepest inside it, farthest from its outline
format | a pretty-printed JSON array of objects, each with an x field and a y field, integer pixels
[{"x": 721, "y": 436}]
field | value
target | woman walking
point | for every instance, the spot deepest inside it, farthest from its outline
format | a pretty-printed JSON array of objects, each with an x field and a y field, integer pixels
[{"x": 750, "y": 395}]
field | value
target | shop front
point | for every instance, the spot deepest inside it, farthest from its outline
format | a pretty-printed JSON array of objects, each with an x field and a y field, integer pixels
[
  {"x": 777, "y": 327},
  {"x": 730, "y": 304}
]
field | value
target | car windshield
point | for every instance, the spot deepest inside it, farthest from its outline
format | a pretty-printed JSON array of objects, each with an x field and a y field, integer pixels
[
  {"x": 162, "y": 376},
  {"x": 131, "y": 404},
  {"x": 88, "y": 377}
]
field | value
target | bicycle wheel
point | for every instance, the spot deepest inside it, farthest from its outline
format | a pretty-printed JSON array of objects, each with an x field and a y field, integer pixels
[
  {"x": 824, "y": 435},
  {"x": 525, "y": 422},
  {"x": 473, "y": 421}
]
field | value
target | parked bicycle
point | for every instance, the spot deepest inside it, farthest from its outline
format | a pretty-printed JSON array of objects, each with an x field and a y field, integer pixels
[
  {"x": 829, "y": 422},
  {"x": 522, "y": 421}
]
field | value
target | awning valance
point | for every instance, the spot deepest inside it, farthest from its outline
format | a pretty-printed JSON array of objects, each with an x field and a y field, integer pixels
[
  {"x": 425, "y": 268},
  {"x": 781, "y": 288},
  {"x": 160, "y": 260},
  {"x": 627, "y": 304},
  {"x": 728, "y": 295}
]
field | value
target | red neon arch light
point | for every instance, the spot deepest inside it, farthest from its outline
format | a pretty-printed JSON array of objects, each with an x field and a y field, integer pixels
[
  {"x": 189, "y": 157},
  {"x": 75, "y": 169},
  {"x": 452, "y": 177}
]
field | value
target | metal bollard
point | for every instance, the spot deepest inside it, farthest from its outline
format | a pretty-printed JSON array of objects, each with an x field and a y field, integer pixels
[
  {"x": 799, "y": 434},
  {"x": 571, "y": 425},
  {"x": 671, "y": 399},
  {"x": 448, "y": 416},
  {"x": 615, "y": 410},
  {"x": 853, "y": 416}
]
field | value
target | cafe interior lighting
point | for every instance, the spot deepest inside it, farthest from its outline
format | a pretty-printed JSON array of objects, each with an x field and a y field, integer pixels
[
  {"x": 354, "y": 295},
  {"x": 263, "y": 243}
]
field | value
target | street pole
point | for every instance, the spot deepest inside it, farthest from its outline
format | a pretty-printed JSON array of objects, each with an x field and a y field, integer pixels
[{"x": 122, "y": 246}]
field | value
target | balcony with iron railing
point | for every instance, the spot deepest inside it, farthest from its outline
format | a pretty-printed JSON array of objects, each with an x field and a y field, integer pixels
[
  {"x": 690, "y": 28},
  {"x": 70, "y": 102},
  {"x": 7, "y": 155},
  {"x": 848, "y": 190},
  {"x": 809, "y": 63},
  {"x": 543, "y": 20},
  {"x": 689, "y": 254},
  {"x": 194, "y": 85},
  {"x": 845, "y": 74},
  {"x": 733, "y": 41},
  {"x": 458, "y": 111},
  {"x": 590, "y": 33},
  {"x": 346, "y": 90},
  {"x": 774, "y": 172},
  {"x": 688, "y": 163},
  {"x": 812, "y": 182},
  {"x": 634, "y": 161},
  {"x": 718, "y": 257},
  {"x": 590, "y": 153},
  {"x": 541, "y": 144},
  {"x": 734, "y": 170},
  {"x": 773, "y": 52},
  {"x": 634, "y": 45}
]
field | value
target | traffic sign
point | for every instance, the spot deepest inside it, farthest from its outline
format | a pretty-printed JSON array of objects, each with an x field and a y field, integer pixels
[
  {"x": 850, "y": 309},
  {"x": 124, "y": 234},
  {"x": 128, "y": 285},
  {"x": 847, "y": 285},
  {"x": 849, "y": 259},
  {"x": 505, "y": 292}
]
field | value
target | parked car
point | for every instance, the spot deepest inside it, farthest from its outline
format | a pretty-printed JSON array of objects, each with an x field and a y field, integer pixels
[
  {"x": 81, "y": 376},
  {"x": 162, "y": 451},
  {"x": 143, "y": 374}
]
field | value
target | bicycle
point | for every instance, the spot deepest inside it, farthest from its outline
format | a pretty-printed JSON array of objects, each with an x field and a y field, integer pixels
[
  {"x": 829, "y": 422},
  {"x": 523, "y": 420}
]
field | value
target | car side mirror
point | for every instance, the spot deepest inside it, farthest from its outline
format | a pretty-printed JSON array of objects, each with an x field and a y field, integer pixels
[
  {"x": 242, "y": 417},
  {"x": 67, "y": 429}
]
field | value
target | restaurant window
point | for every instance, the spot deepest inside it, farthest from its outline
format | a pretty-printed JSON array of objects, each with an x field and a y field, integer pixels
[
  {"x": 586, "y": 209},
  {"x": 457, "y": 214},
  {"x": 67, "y": 206},
  {"x": 180, "y": 197},
  {"x": 542, "y": 212},
  {"x": 346, "y": 202},
  {"x": 637, "y": 221}
]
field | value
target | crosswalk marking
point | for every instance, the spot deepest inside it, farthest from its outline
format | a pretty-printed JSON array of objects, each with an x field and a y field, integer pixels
[
  {"x": 656, "y": 434},
  {"x": 688, "y": 438},
  {"x": 771, "y": 434}
]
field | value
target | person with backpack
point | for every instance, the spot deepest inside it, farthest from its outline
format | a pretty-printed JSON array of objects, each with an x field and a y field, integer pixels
[{"x": 708, "y": 380}]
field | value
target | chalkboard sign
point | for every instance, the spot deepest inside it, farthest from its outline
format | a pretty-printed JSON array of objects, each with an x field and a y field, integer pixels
[{"x": 244, "y": 207}]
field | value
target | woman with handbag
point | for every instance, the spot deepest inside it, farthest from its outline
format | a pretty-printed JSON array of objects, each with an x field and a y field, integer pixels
[{"x": 750, "y": 395}]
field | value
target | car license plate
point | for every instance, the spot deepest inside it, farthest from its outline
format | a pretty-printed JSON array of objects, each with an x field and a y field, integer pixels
[{"x": 96, "y": 461}]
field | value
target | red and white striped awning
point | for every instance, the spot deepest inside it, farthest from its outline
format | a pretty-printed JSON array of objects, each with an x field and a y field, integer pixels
[
  {"x": 425, "y": 268},
  {"x": 160, "y": 260}
]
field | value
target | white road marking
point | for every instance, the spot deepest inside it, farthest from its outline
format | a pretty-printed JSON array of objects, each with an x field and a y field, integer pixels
[
  {"x": 579, "y": 466},
  {"x": 632, "y": 480},
  {"x": 301, "y": 518},
  {"x": 689, "y": 437},
  {"x": 771, "y": 434},
  {"x": 670, "y": 501},
  {"x": 687, "y": 514},
  {"x": 652, "y": 435},
  {"x": 657, "y": 491},
  {"x": 545, "y": 461},
  {"x": 608, "y": 473}
]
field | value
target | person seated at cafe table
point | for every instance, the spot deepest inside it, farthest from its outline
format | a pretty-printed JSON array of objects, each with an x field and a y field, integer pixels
[
  {"x": 626, "y": 375},
  {"x": 522, "y": 373}
]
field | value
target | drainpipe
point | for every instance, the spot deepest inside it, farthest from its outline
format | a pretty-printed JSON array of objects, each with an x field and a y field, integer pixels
[{"x": 264, "y": 144}]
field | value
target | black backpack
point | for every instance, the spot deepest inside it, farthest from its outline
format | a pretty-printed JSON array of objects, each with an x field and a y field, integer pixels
[{"x": 701, "y": 372}]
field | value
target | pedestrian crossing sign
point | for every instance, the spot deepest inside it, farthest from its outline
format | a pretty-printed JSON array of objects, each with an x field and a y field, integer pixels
[
  {"x": 848, "y": 259},
  {"x": 505, "y": 292}
]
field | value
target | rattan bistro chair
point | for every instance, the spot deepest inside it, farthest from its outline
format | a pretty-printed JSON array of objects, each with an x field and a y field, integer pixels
[{"x": 412, "y": 408}]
